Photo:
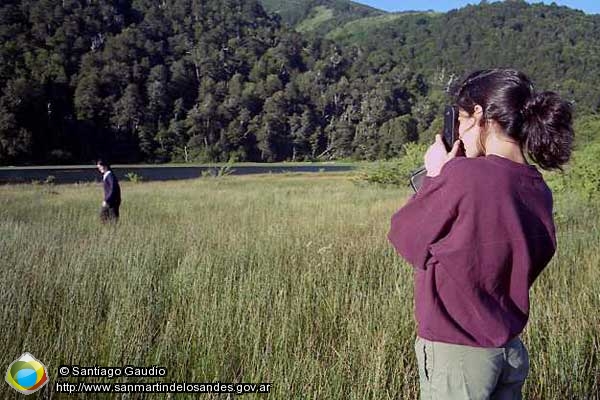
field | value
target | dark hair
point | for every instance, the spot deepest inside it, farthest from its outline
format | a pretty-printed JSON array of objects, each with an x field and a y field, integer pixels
[
  {"x": 103, "y": 163},
  {"x": 540, "y": 122}
]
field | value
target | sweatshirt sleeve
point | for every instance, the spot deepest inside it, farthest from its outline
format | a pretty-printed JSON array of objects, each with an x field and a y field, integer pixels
[{"x": 425, "y": 219}]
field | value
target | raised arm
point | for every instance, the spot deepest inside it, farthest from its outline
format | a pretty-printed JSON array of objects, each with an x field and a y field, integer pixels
[{"x": 425, "y": 219}]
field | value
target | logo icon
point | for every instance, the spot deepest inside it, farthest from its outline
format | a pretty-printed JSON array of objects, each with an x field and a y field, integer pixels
[{"x": 27, "y": 374}]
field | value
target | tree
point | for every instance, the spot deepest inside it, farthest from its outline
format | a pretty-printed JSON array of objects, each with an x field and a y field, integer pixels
[
  {"x": 273, "y": 133},
  {"x": 128, "y": 111},
  {"x": 88, "y": 102},
  {"x": 15, "y": 141},
  {"x": 394, "y": 134}
]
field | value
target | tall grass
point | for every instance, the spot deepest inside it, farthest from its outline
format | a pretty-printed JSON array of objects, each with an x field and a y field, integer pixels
[{"x": 288, "y": 280}]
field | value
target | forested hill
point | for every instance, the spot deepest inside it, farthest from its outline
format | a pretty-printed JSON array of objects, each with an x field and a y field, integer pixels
[
  {"x": 318, "y": 16},
  {"x": 212, "y": 80},
  {"x": 187, "y": 80},
  {"x": 558, "y": 46}
]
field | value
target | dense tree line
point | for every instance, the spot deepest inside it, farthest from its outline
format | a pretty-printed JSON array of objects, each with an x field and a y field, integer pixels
[
  {"x": 187, "y": 80},
  {"x": 208, "y": 80}
]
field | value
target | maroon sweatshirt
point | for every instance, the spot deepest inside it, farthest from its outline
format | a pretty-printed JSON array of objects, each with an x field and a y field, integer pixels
[{"x": 477, "y": 235}]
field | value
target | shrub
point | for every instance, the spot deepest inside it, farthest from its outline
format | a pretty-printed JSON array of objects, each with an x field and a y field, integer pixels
[
  {"x": 226, "y": 169},
  {"x": 50, "y": 180},
  {"x": 219, "y": 172},
  {"x": 397, "y": 171},
  {"x": 133, "y": 177},
  {"x": 49, "y": 183},
  {"x": 581, "y": 176},
  {"x": 586, "y": 130}
]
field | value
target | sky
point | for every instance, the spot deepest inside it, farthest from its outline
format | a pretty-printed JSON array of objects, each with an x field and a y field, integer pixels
[{"x": 588, "y": 6}]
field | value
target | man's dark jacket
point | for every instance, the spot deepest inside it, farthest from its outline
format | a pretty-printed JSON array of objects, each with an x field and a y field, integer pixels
[{"x": 112, "y": 190}]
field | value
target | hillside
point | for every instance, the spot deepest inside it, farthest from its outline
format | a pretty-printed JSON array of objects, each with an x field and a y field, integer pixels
[
  {"x": 208, "y": 80},
  {"x": 358, "y": 30},
  {"x": 187, "y": 81},
  {"x": 318, "y": 16},
  {"x": 556, "y": 45}
]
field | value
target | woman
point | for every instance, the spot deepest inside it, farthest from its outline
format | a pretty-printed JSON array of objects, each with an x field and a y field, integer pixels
[{"x": 479, "y": 232}]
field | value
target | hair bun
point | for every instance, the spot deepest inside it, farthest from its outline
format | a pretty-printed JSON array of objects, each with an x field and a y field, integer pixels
[
  {"x": 535, "y": 104},
  {"x": 548, "y": 128}
]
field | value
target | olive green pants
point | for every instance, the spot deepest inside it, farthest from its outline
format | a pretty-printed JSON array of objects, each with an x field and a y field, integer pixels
[{"x": 450, "y": 371}]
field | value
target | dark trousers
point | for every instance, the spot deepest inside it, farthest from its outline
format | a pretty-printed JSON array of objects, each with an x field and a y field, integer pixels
[{"x": 109, "y": 214}]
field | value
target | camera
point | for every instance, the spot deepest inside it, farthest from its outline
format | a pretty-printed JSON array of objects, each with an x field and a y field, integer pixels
[{"x": 449, "y": 136}]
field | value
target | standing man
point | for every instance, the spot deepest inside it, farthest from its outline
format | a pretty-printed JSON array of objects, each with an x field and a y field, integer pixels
[{"x": 112, "y": 193}]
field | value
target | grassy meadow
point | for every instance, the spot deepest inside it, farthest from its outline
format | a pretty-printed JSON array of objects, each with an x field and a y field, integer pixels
[{"x": 282, "y": 279}]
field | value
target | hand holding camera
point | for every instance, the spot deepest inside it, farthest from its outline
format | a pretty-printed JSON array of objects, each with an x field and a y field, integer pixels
[
  {"x": 445, "y": 147},
  {"x": 437, "y": 155}
]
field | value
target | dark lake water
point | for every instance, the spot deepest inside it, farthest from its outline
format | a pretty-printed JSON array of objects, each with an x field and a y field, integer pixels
[{"x": 151, "y": 173}]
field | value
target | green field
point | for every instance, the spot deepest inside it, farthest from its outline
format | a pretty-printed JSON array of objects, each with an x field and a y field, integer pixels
[
  {"x": 321, "y": 15},
  {"x": 362, "y": 27},
  {"x": 281, "y": 279}
]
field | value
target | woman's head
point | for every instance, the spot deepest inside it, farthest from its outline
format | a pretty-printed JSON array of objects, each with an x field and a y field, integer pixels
[{"x": 504, "y": 101}]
